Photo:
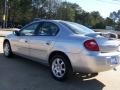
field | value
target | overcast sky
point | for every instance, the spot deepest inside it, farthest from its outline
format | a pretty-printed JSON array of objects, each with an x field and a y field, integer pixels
[{"x": 103, "y": 6}]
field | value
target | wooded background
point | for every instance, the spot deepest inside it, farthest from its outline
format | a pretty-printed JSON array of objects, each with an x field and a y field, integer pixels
[{"x": 20, "y": 12}]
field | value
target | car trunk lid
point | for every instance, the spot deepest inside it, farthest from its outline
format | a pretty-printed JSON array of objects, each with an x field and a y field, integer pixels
[{"x": 107, "y": 42}]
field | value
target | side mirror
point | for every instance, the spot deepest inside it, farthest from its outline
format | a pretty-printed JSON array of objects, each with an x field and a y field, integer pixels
[
  {"x": 16, "y": 33},
  {"x": 19, "y": 26}
]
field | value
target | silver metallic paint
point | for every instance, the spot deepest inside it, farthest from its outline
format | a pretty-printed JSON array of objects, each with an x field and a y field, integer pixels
[{"x": 82, "y": 60}]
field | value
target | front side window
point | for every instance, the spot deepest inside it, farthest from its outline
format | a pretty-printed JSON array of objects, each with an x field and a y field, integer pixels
[
  {"x": 47, "y": 29},
  {"x": 29, "y": 30}
]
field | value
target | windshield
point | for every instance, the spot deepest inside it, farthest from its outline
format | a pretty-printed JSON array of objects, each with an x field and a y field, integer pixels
[{"x": 77, "y": 28}]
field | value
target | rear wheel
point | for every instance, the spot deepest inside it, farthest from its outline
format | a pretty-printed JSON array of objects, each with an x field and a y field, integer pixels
[
  {"x": 60, "y": 67},
  {"x": 7, "y": 49}
]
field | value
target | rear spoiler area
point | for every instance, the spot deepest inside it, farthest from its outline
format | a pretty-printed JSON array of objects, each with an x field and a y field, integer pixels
[{"x": 108, "y": 35}]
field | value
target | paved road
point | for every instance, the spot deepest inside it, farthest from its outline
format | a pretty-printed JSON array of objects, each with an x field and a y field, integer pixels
[{"x": 21, "y": 74}]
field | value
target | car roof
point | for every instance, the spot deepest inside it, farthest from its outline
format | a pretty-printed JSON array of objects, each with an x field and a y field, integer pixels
[{"x": 39, "y": 20}]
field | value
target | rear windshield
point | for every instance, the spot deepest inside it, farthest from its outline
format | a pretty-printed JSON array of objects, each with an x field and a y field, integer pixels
[{"x": 77, "y": 28}]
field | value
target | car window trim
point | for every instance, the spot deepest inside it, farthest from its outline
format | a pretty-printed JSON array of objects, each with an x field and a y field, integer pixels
[{"x": 28, "y": 26}]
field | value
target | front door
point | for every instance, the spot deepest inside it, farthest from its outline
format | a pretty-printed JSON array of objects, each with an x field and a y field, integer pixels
[{"x": 21, "y": 42}]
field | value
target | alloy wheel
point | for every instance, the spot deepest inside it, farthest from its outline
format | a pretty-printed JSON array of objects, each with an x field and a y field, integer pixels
[{"x": 58, "y": 67}]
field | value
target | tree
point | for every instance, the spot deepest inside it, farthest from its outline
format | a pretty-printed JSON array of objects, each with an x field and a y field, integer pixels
[
  {"x": 19, "y": 11},
  {"x": 109, "y": 22},
  {"x": 24, "y": 11},
  {"x": 1, "y": 9},
  {"x": 66, "y": 12},
  {"x": 77, "y": 11},
  {"x": 118, "y": 26},
  {"x": 115, "y": 16},
  {"x": 95, "y": 18}
]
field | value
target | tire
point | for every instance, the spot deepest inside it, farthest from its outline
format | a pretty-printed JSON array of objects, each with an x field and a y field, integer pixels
[
  {"x": 7, "y": 49},
  {"x": 60, "y": 67}
]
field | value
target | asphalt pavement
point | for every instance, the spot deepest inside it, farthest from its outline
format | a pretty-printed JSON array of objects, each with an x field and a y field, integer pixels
[{"x": 22, "y": 74}]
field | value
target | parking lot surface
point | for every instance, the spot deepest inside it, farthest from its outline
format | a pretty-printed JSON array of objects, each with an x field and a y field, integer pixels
[{"x": 22, "y": 74}]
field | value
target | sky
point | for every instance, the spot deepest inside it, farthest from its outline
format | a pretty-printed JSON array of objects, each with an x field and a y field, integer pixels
[{"x": 105, "y": 7}]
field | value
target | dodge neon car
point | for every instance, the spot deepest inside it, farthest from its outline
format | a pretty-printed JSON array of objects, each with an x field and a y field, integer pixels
[{"x": 66, "y": 47}]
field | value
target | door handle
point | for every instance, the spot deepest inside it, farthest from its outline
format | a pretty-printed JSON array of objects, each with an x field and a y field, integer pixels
[
  {"x": 48, "y": 43},
  {"x": 26, "y": 41},
  {"x": 23, "y": 41}
]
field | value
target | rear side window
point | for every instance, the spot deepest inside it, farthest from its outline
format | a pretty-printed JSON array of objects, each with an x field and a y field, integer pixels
[
  {"x": 48, "y": 29},
  {"x": 77, "y": 28}
]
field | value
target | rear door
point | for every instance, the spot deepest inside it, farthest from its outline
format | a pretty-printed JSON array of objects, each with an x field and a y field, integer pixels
[{"x": 41, "y": 44}]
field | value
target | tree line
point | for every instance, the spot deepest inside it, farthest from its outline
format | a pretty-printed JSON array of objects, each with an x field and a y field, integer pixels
[{"x": 21, "y": 12}]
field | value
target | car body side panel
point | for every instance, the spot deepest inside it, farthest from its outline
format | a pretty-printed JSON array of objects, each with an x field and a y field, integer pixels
[
  {"x": 19, "y": 45},
  {"x": 70, "y": 43},
  {"x": 88, "y": 63},
  {"x": 40, "y": 46}
]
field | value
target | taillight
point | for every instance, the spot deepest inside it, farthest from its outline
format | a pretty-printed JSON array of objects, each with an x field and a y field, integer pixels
[{"x": 91, "y": 45}]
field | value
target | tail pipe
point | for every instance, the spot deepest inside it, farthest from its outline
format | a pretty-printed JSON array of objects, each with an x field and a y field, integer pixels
[{"x": 114, "y": 69}]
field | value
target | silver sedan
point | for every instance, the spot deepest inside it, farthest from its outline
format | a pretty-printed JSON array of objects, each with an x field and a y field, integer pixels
[{"x": 66, "y": 47}]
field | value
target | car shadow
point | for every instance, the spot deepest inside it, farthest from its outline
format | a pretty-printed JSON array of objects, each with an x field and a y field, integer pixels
[{"x": 22, "y": 74}]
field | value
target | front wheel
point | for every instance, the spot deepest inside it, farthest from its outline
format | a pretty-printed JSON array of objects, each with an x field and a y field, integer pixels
[
  {"x": 7, "y": 49},
  {"x": 60, "y": 67}
]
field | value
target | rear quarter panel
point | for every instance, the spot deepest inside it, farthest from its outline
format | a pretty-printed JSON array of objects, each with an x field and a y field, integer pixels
[{"x": 70, "y": 44}]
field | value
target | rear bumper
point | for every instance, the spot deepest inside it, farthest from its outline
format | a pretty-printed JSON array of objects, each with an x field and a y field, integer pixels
[{"x": 93, "y": 63}]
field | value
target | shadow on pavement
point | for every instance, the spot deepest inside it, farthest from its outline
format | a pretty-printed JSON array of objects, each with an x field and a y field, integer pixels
[{"x": 22, "y": 74}]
